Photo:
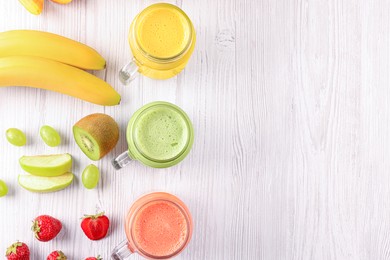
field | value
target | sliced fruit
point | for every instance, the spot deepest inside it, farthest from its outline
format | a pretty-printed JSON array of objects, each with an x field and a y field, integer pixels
[
  {"x": 33, "y": 6},
  {"x": 50, "y": 46},
  {"x": 46, "y": 165},
  {"x": 90, "y": 176},
  {"x": 52, "y": 75},
  {"x": 50, "y": 136},
  {"x": 95, "y": 227},
  {"x": 63, "y": 2},
  {"x": 16, "y": 137},
  {"x": 96, "y": 135},
  {"x": 45, "y": 184}
]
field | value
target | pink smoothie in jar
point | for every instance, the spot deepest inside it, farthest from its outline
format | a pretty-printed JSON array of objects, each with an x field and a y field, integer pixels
[{"x": 158, "y": 226}]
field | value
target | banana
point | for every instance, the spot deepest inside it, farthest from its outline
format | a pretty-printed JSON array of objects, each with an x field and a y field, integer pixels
[
  {"x": 63, "y": 2},
  {"x": 52, "y": 75},
  {"x": 33, "y": 6},
  {"x": 50, "y": 46}
]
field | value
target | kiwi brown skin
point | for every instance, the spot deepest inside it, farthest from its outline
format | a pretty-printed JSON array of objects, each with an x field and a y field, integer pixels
[{"x": 103, "y": 129}]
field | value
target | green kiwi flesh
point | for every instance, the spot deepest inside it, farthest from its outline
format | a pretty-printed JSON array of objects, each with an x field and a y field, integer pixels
[
  {"x": 96, "y": 135},
  {"x": 87, "y": 143}
]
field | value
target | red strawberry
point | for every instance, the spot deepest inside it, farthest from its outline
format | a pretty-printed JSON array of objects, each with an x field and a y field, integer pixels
[
  {"x": 95, "y": 227},
  {"x": 94, "y": 258},
  {"x": 46, "y": 228},
  {"x": 18, "y": 251},
  {"x": 56, "y": 255}
]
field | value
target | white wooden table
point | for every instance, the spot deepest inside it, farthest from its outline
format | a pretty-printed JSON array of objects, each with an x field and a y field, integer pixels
[{"x": 290, "y": 103}]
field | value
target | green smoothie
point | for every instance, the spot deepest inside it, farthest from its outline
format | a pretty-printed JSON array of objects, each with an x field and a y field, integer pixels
[{"x": 161, "y": 133}]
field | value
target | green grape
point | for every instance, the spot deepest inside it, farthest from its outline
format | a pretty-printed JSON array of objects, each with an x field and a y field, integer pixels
[
  {"x": 50, "y": 136},
  {"x": 3, "y": 188},
  {"x": 90, "y": 176},
  {"x": 16, "y": 137}
]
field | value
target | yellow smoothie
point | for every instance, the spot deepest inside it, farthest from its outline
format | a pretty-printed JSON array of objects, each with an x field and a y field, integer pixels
[
  {"x": 162, "y": 39},
  {"x": 163, "y": 32}
]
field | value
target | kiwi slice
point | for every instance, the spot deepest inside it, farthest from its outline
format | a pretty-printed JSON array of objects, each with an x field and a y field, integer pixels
[{"x": 96, "y": 135}]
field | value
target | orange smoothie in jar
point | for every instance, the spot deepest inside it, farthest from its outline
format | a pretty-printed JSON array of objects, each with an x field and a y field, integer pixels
[{"x": 158, "y": 226}]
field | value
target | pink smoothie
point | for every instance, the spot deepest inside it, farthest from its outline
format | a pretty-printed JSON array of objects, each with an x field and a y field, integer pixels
[{"x": 160, "y": 228}]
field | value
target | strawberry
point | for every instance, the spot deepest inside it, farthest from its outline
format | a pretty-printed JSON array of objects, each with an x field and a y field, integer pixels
[
  {"x": 46, "y": 227},
  {"x": 18, "y": 251},
  {"x": 94, "y": 258},
  {"x": 95, "y": 227},
  {"x": 56, "y": 255}
]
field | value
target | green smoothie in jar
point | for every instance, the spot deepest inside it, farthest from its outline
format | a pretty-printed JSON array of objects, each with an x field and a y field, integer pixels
[{"x": 159, "y": 135}]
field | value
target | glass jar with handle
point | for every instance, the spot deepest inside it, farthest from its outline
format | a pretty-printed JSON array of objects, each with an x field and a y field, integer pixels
[
  {"x": 158, "y": 226},
  {"x": 162, "y": 39}
]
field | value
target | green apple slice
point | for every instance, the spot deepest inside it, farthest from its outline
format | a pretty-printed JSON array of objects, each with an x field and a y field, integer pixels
[
  {"x": 46, "y": 165},
  {"x": 45, "y": 184}
]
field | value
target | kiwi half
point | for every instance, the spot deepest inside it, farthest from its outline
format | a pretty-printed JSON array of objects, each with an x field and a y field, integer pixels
[{"x": 96, "y": 135}]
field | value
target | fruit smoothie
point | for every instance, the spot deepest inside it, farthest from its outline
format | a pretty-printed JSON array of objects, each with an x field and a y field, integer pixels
[
  {"x": 160, "y": 229},
  {"x": 161, "y": 133},
  {"x": 162, "y": 39},
  {"x": 163, "y": 32},
  {"x": 158, "y": 226}
]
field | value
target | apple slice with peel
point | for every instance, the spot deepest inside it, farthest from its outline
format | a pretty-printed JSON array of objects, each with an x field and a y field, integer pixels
[
  {"x": 62, "y": 1},
  {"x": 45, "y": 184},
  {"x": 46, "y": 165},
  {"x": 33, "y": 6}
]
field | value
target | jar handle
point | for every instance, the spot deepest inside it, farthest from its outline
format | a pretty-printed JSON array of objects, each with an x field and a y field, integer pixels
[
  {"x": 121, "y": 161},
  {"x": 122, "y": 251},
  {"x": 128, "y": 72}
]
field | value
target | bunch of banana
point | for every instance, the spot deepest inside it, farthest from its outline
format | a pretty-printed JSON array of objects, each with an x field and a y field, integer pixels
[{"x": 49, "y": 61}]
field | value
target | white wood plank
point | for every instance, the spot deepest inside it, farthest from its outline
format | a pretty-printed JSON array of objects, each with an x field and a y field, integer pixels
[{"x": 290, "y": 104}]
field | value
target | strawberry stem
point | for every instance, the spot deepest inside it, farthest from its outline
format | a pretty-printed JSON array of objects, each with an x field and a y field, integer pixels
[
  {"x": 61, "y": 256},
  {"x": 94, "y": 216},
  {"x": 36, "y": 228},
  {"x": 12, "y": 249}
]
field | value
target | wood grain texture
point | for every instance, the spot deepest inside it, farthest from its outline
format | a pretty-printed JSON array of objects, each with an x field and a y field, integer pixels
[{"x": 290, "y": 104}]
